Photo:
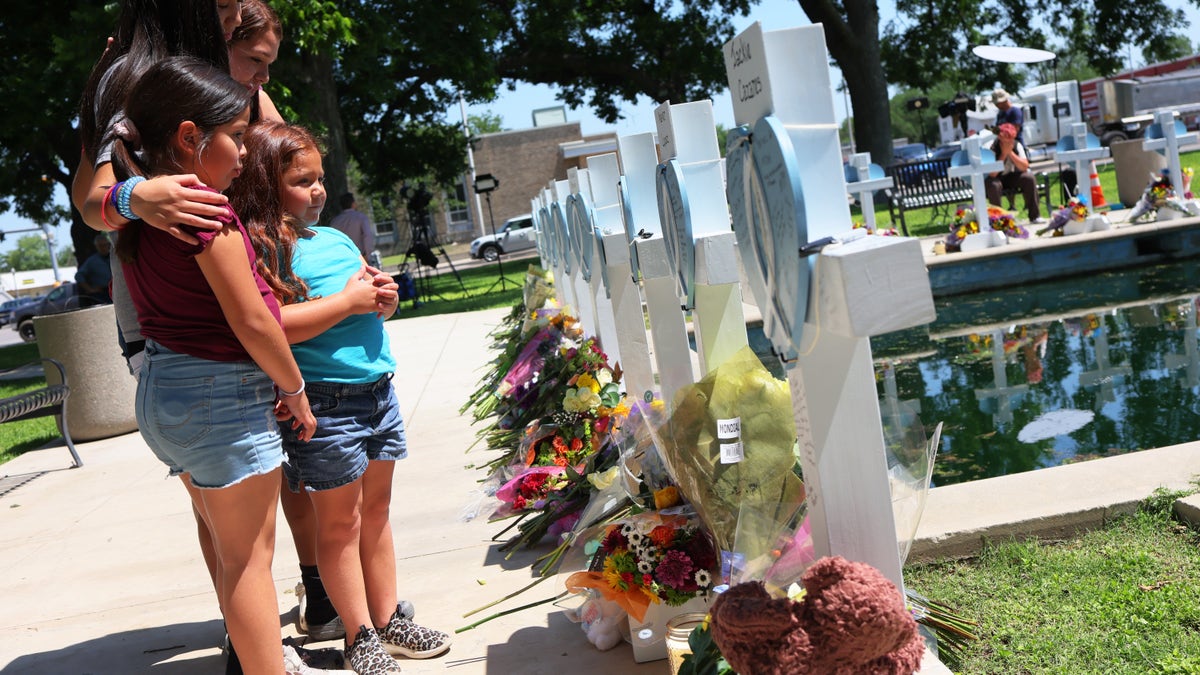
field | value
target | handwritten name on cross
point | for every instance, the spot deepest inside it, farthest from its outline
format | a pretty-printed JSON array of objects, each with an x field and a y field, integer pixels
[
  {"x": 862, "y": 288},
  {"x": 1166, "y": 135}
]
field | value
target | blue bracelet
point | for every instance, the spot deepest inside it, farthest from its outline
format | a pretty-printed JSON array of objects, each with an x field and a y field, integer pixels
[
  {"x": 113, "y": 194},
  {"x": 125, "y": 194}
]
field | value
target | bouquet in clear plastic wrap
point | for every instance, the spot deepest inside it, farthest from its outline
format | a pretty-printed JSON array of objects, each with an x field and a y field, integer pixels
[{"x": 729, "y": 443}]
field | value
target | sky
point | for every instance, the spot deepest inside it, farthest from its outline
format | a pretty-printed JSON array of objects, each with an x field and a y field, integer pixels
[{"x": 515, "y": 107}]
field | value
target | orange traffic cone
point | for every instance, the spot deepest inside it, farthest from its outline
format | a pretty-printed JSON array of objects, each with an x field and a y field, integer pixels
[{"x": 1097, "y": 191}]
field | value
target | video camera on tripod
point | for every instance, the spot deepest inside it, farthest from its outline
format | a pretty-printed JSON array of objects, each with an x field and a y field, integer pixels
[{"x": 958, "y": 106}]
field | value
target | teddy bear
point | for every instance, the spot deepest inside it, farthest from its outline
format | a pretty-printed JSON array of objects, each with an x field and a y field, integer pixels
[
  {"x": 851, "y": 621},
  {"x": 602, "y": 621}
]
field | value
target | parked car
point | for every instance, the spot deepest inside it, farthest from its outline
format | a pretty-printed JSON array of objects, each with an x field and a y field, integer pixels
[
  {"x": 909, "y": 152},
  {"x": 56, "y": 301},
  {"x": 9, "y": 307},
  {"x": 515, "y": 235}
]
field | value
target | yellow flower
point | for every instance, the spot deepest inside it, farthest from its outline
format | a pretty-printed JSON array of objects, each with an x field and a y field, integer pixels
[
  {"x": 611, "y": 576},
  {"x": 604, "y": 377},
  {"x": 602, "y": 480},
  {"x": 666, "y": 497},
  {"x": 587, "y": 381},
  {"x": 572, "y": 402},
  {"x": 651, "y": 594}
]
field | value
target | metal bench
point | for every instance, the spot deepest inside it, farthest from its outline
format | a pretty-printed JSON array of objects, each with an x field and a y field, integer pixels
[
  {"x": 924, "y": 184},
  {"x": 49, "y": 400}
]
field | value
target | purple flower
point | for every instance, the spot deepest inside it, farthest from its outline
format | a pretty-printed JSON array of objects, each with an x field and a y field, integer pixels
[{"x": 675, "y": 569}]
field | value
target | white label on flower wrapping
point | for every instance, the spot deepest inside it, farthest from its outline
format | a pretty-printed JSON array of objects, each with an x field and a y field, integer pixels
[
  {"x": 727, "y": 429},
  {"x": 731, "y": 453}
]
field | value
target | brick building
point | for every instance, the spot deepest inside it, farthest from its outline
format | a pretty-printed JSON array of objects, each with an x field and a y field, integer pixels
[
  {"x": 523, "y": 162},
  {"x": 526, "y": 161}
]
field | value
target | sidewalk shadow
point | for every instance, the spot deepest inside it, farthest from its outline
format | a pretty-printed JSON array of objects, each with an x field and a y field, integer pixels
[{"x": 175, "y": 649}]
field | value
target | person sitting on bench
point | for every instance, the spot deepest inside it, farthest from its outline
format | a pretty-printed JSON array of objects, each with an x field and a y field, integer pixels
[{"x": 1016, "y": 174}]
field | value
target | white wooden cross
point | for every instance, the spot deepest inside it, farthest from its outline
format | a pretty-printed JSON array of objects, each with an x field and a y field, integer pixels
[
  {"x": 668, "y": 328},
  {"x": 865, "y": 180},
  {"x": 1001, "y": 391},
  {"x": 1105, "y": 374},
  {"x": 1080, "y": 148},
  {"x": 622, "y": 336},
  {"x": 1166, "y": 135},
  {"x": 789, "y": 192},
  {"x": 1189, "y": 360},
  {"x": 581, "y": 237},
  {"x": 559, "y": 191},
  {"x": 976, "y": 162},
  {"x": 695, "y": 219}
]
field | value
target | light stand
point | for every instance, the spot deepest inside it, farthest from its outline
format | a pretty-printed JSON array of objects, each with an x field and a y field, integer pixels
[{"x": 484, "y": 184}]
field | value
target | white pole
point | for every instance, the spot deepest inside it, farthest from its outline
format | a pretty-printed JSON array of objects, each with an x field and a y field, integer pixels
[{"x": 462, "y": 106}]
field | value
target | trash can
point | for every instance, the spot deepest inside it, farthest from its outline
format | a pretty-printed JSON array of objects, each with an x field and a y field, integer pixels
[
  {"x": 1134, "y": 166},
  {"x": 101, "y": 404}
]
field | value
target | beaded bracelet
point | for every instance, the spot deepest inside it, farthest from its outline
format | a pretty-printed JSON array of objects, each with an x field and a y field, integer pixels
[
  {"x": 108, "y": 198},
  {"x": 124, "y": 194},
  {"x": 286, "y": 394}
]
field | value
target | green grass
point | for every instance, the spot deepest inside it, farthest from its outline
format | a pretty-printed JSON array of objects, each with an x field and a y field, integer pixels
[
  {"x": 17, "y": 438},
  {"x": 1124, "y": 599},
  {"x": 480, "y": 289},
  {"x": 924, "y": 222}
]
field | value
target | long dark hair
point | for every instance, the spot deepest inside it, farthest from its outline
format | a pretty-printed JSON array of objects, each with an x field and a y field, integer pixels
[
  {"x": 174, "y": 90},
  {"x": 147, "y": 32},
  {"x": 271, "y": 148},
  {"x": 257, "y": 18}
]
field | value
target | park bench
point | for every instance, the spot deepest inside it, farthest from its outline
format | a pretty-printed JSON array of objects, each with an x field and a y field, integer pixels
[
  {"x": 43, "y": 402},
  {"x": 926, "y": 184}
]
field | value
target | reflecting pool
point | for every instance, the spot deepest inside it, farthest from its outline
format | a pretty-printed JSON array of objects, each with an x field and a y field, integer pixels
[{"x": 1032, "y": 376}]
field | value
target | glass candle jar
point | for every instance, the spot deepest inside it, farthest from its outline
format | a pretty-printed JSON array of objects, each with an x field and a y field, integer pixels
[{"x": 679, "y": 628}]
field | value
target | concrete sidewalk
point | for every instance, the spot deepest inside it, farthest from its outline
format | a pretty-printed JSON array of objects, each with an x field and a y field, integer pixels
[{"x": 100, "y": 571}]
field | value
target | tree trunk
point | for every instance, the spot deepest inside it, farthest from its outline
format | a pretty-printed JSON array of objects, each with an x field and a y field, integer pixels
[
  {"x": 317, "y": 72},
  {"x": 852, "y": 37}
]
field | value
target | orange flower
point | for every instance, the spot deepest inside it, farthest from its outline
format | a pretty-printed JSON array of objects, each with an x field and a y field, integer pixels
[
  {"x": 576, "y": 445},
  {"x": 662, "y": 536}
]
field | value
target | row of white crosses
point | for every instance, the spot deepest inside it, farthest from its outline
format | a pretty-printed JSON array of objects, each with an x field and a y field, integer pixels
[{"x": 673, "y": 244}]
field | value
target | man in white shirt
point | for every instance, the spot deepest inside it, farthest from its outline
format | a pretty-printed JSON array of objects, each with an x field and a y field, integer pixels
[
  {"x": 355, "y": 224},
  {"x": 1016, "y": 174}
]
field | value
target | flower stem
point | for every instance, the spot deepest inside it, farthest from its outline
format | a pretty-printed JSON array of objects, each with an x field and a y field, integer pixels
[{"x": 497, "y": 615}]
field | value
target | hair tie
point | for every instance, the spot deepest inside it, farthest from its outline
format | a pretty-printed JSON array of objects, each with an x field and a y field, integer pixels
[{"x": 125, "y": 130}]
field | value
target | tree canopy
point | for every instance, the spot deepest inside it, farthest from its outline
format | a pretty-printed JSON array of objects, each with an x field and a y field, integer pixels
[{"x": 376, "y": 78}]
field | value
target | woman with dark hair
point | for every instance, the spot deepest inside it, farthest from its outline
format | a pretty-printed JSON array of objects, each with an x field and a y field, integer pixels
[
  {"x": 252, "y": 50},
  {"x": 217, "y": 363}
]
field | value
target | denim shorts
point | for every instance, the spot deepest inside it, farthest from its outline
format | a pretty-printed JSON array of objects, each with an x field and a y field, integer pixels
[
  {"x": 213, "y": 420},
  {"x": 356, "y": 423}
]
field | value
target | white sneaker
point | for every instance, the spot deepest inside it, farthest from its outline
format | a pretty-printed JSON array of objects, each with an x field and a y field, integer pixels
[
  {"x": 1039, "y": 221},
  {"x": 294, "y": 665}
]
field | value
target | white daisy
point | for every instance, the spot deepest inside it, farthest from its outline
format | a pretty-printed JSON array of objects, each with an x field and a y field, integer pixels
[
  {"x": 635, "y": 539},
  {"x": 645, "y": 567},
  {"x": 703, "y": 578}
]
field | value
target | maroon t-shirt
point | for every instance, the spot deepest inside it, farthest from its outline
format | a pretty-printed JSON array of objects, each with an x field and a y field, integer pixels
[{"x": 176, "y": 307}]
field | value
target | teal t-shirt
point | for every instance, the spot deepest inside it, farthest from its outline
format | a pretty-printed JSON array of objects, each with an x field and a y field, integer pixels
[{"x": 355, "y": 351}]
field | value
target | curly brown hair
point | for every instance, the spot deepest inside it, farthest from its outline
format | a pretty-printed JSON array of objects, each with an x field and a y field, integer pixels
[{"x": 271, "y": 148}]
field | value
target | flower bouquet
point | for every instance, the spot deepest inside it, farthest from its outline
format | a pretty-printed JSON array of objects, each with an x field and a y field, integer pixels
[
  {"x": 651, "y": 558},
  {"x": 730, "y": 446},
  {"x": 1075, "y": 211},
  {"x": 999, "y": 220},
  {"x": 509, "y": 338},
  {"x": 1160, "y": 193}
]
